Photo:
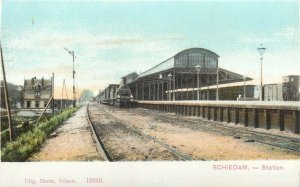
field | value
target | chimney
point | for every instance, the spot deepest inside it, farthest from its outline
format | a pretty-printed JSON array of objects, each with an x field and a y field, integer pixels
[
  {"x": 32, "y": 82},
  {"x": 42, "y": 81}
]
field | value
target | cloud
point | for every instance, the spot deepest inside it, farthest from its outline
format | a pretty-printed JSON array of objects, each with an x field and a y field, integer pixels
[
  {"x": 289, "y": 34},
  {"x": 118, "y": 41},
  {"x": 39, "y": 41},
  {"x": 54, "y": 42}
]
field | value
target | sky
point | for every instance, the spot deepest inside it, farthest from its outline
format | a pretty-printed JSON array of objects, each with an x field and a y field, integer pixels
[{"x": 114, "y": 38}]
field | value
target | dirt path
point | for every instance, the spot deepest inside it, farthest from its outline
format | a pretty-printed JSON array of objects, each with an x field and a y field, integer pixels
[
  {"x": 194, "y": 142},
  {"x": 74, "y": 142}
]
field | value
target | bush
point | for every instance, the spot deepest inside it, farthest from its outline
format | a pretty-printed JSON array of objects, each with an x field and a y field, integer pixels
[
  {"x": 4, "y": 136},
  {"x": 30, "y": 142}
]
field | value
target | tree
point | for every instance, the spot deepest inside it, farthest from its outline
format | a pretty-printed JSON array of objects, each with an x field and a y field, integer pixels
[
  {"x": 86, "y": 95},
  {"x": 13, "y": 92}
]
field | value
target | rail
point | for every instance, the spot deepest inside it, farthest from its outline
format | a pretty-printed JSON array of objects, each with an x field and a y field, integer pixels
[
  {"x": 100, "y": 144},
  {"x": 179, "y": 154}
]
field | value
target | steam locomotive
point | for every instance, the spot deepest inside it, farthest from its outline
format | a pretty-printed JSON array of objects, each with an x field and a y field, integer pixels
[{"x": 116, "y": 95}]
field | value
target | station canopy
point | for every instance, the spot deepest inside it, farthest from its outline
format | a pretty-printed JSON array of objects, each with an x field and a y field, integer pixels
[{"x": 184, "y": 64}]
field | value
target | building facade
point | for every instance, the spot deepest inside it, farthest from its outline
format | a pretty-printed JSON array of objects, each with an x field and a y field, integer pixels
[
  {"x": 273, "y": 92},
  {"x": 128, "y": 78},
  {"x": 291, "y": 87},
  {"x": 36, "y": 93},
  {"x": 288, "y": 90}
]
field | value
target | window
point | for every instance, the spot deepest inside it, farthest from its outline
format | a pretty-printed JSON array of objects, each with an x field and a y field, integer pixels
[
  {"x": 211, "y": 63},
  {"x": 208, "y": 62},
  {"x": 37, "y": 93},
  {"x": 28, "y": 104},
  {"x": 292, "y": 79},
  {"x": 36, "y": 104},
  {"x": 182, "y": 61},
  {"x": 38, "y": 87}
]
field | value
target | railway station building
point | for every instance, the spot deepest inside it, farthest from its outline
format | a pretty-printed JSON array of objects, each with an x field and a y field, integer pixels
[{"x": 191, "y": 74}]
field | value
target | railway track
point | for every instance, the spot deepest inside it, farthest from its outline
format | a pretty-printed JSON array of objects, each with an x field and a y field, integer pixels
[
  {"x": 279, "y": 141},
  {"x": 99, "y": 143},
  {"x": 105, "y": 153}
]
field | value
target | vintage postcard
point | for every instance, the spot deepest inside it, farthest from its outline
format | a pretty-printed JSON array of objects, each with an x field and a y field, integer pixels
[{"x": 150, "y": 93}]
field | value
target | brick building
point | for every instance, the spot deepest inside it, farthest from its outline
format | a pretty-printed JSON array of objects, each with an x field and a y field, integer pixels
[{"x": 291, "y": 88}]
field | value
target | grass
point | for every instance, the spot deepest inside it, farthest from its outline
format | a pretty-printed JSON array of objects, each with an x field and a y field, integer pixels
[
  {"x": 19, "y": 128},
  {"x": 30, "y": 142}
]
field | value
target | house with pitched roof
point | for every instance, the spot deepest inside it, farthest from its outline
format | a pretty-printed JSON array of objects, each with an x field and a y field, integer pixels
[{"x": 36, "y": 93}]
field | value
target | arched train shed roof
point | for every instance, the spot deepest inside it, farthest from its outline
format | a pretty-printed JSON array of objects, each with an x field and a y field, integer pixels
[
  {"x": 197, "y": 50},
  {"x": 170, "y": 62},
  {"x": 184, "y": 63}
]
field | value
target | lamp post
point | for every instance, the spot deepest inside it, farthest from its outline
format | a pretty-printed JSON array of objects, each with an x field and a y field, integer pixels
[
  {"x": 244, "y": 78},
  {"x": 162, "y": 87},
  {"x": 74, "y": 94},
  {"x": 261, "y": 51},
  {"x": 170, "y": 77},
  {"x": 198, "y": 67}
]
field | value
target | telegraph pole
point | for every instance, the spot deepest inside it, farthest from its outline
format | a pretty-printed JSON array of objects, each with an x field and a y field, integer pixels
[
  {"x": 11, "y": 131},
  {"x": 74, "y": 94},
  {"x": 62, "y": 96},
  {"x": 53, "y": 93},
  {"x": 78, "y": 94}
]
